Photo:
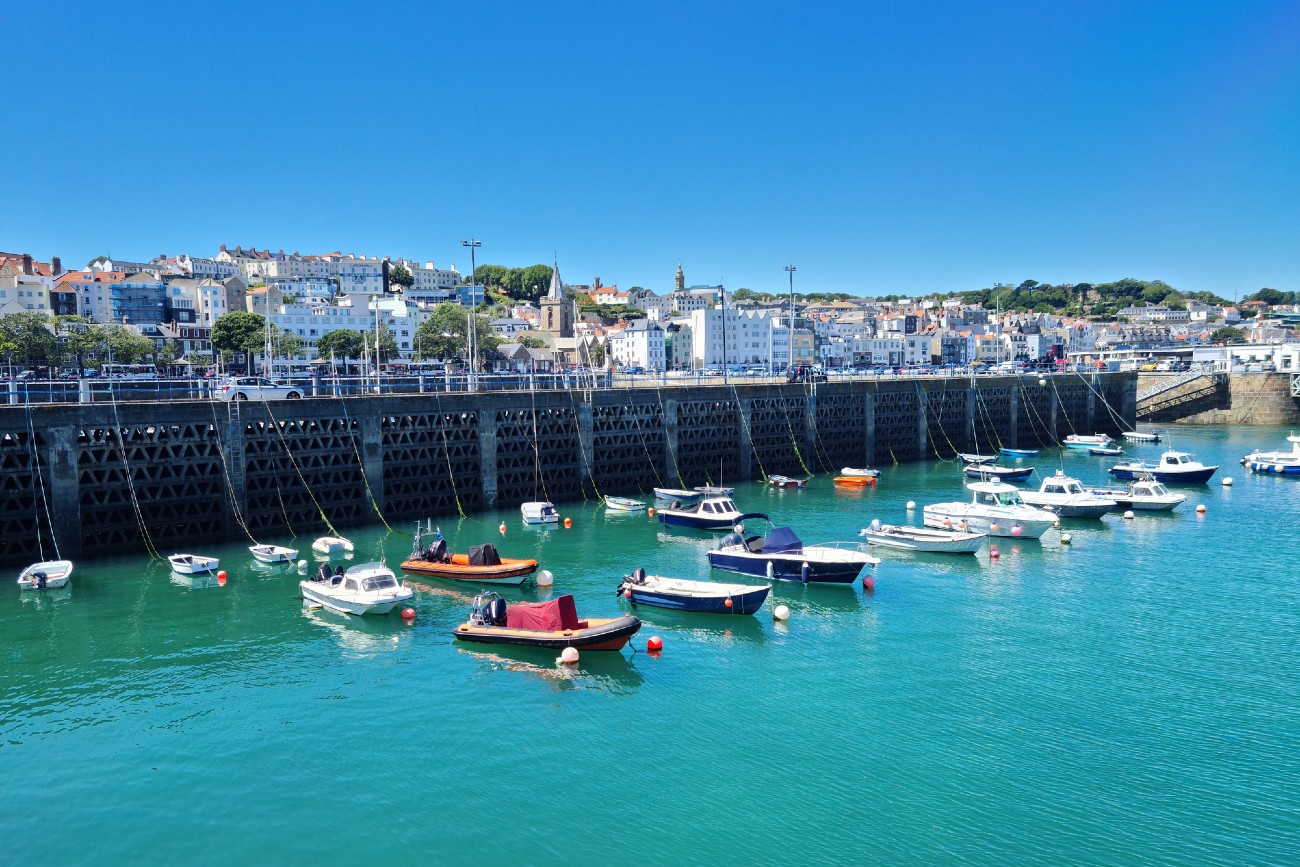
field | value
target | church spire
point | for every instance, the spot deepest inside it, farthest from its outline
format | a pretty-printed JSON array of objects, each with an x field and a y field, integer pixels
[
  {"x": 556, "y": 292},
  {"x": 680, "y": 283}
]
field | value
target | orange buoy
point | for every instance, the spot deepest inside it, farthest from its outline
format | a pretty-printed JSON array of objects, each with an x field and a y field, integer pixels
[
  {"x": 868, "y": 582},
  {"x": 568, "y": 522},
  {"x": 650, "y": 511},
  {"x": 994, "y": 553},
  {"x": 408, "y": 613},
  {"x": 727, "y": 603},
  {"x": 221, "y": 578},
  {"x": 502, "y": 528},
  {"x": 627, "y": 594},
  {"x": 654, "y": 644}
]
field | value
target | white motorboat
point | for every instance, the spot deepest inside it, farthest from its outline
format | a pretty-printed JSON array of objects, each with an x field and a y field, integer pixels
[
  {"x": 1143, "y": 495},
  {"x": 1279, "y": 462},
  {"x": 47, "y": 575},
  {"x": 786, "y": 482},
  {"x": 370, "y": 588},
  {"x": 193, "y": 564},
  {"x": 539, "y": 512},
  {"x": 715, "y": 490},
  {"x": 995, "y": 508},
  {"x": 859, "y": 473},
  {"x": 1087, "y": 441},
  {"x": 1068, "y": 498},
  {"x": 332, "y": 545},
  {"x": 273, "y": 553},
  {"x": 922, "y": 538}
]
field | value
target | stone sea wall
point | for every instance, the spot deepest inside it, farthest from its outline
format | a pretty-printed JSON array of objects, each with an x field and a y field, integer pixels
[{"x": 135, "y": 476}]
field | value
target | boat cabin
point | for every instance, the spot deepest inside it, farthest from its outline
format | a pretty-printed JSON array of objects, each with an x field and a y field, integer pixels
[
  {"x": 1062, "y": 486},
  {"x": 1008, "y": 497},
  {"x": 718, "y": 506},
  {"x": 1148, "y": 488},
  {"x": 1175, "y": 459}
]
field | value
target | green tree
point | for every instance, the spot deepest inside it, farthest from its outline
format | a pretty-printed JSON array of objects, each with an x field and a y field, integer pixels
[
  {"x": 29, "y": 338},
  {"x": 442, "y": 335},
  {"x": 1268, "y": 296},
  {"x": 400, "y": 277},
  {"x": 169, "y": 353},
  {"x": 340, "y": 343},
  {"x": 286, "y": 343},
  {"x": 534, "y": 282},
  {"x": 492, "y": 276},
  {"x": 127, "y": 346},
  {"x": 743, "y": 295},
  {"x": 238, "y": 331},
  {"x": 532, "y": 342},
  {"x": 1227, "y": 334}
]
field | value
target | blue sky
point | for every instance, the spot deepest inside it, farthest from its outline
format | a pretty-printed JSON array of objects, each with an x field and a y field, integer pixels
[{"x": 880, "y": 147}]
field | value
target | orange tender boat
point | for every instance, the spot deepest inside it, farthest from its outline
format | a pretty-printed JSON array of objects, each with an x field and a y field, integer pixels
[{"x": 482, "y": 565}]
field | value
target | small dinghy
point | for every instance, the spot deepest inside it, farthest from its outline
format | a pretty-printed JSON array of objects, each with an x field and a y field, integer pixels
[
  {"x": 192, "y": 564},
  {"x": 1019, "y": 453},
  {"x": 786, "y": 482},
  {"x": 1106, "y": 451},
  {"x": 715, "y": 490},
  {"x": 705, "y": 597},
  {"x": 370, "y": 588},
  {"x": 679, "y": 496},
  {"x": 1087, "y": 441},
  {"x": 332, "y": 545},
  {"x": 856, "y": 481},
  {"x": 855, "y": 472},
  {"x": 977, "y": 459},
  {"x": 47, "y": 575},
  {"x": 922, "y": 538},
  {"x": 539, "y": 513},
  {"x": 553, "y": 625},
  {"x": 481, "y": 565},
  {"x": 624, "y": 504},
  {"x": 1136, "y": 436},
  {"x": 273, "y": 553}
]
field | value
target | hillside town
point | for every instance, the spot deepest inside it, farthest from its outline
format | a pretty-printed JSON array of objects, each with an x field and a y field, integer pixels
[{"x": 173, "y": 307}]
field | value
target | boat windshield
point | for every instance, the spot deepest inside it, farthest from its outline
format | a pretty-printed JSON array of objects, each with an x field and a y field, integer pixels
[
  {"x": 1073, "y": 488},
  {"x": 1157, "y": 489},
  {"x": 1010, "y": 498},
  {"x": 727, "y": 506},
  {"x": 379, "y": 582}
]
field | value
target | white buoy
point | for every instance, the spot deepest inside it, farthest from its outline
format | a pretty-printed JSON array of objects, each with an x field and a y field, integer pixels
[
  {"x": 1042, "y": 382},
  {"x": 1066, "y": 538},
  {"x": 545, "y": 578},
  {"x": 781, "y": 613},
  {"x": 1200, "y": 509},
  {"x": 569, "y": 656},
  {"x": 1227, "y": 482},
  {"x": 911, "y": 504},
  {"x": 1128, "y": 516},
  {"x": 302, "y": 565}
]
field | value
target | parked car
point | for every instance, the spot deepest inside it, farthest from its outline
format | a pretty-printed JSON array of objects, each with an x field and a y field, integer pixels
[
  {"x": 805, "y": 373},
  {"x": 256, "y": 388}
]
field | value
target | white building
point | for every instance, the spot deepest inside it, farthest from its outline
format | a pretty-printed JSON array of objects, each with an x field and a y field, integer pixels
[
  {"x": 207, "y": 297},
  {"x": 639, "y": 344},
  {"x": 431, "y": 282},
  {"x": 748, "y": 337}
]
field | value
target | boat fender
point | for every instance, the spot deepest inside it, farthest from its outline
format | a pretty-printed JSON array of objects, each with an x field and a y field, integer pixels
[
  {"x": 770, "y": 570},
  {"x": 803, "y": 572}
]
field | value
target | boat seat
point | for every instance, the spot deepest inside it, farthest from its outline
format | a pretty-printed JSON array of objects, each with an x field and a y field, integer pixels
[{"x": 754, "y": 544}]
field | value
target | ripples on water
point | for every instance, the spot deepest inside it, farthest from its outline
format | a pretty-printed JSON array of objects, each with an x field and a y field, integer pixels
[{"x": 1130, "y": 698}]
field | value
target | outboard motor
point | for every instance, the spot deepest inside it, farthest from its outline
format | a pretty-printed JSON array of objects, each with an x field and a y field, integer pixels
[
  {"x": 323, "y": 573},
  {"x": 438, "y": 553},
  {"x": 875, "y": 525},
  {"x": 41, "y": 579},
  {"x": 638, "y": 576},
  {"x": 496, "y": 611},
  {"x": 731, "y": 539}
]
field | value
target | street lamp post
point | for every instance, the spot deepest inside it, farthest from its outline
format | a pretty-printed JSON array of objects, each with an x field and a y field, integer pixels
[
  {"x": 470, "y": 330},
  {"x": 790, "y": 269}
]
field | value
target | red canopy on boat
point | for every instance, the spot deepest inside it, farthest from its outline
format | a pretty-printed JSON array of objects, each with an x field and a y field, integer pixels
[{"x": 551, "y": 616}]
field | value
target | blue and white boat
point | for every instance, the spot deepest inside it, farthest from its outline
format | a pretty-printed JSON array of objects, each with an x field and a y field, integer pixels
[
  {"x": 988, "y": 472},
  {"x": 704, "y": 597},
  {"x": 1173, "y": 468},
  {"x": 711, "y": 513},
  {"x": 1279, "y": 462},
  {"x": 1087, "y": 441},
  {"x": 781, "y": 555},
  {"x": 1019, "y": 453}
]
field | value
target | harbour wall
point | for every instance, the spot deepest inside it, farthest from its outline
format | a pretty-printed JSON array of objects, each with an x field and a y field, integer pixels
[
  {"x": 140, "y": 476},
  {"x": 1242, "y": 398}
]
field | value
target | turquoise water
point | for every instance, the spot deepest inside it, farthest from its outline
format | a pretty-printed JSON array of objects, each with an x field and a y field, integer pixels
[{"x": 1130, "y": 698}]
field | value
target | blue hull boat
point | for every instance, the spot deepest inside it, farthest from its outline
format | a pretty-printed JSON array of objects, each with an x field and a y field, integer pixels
[
  {"x": 712, "y": 513},
  {"x": 1001, "y": 474},
  {"x": 1019, "y": 453},
  {"x": 782, "y": 556},
  {"x": 703, "y": 597}
]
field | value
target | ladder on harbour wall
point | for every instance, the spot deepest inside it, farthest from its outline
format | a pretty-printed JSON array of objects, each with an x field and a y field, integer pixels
[{"x": 1152, "y": 404}]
